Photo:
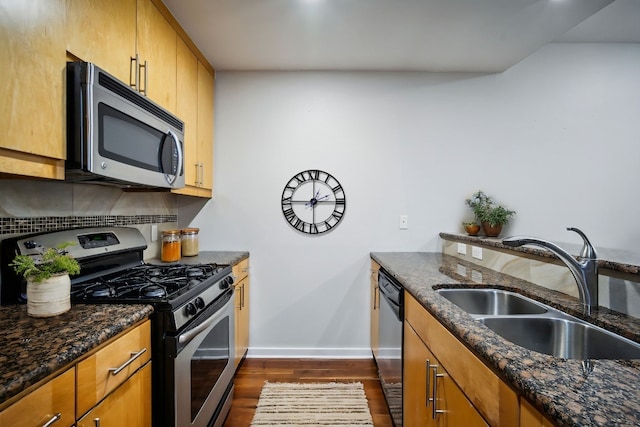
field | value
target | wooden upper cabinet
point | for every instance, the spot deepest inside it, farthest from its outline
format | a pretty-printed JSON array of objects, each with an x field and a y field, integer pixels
[
  {"x": 199, "y": 146},
  {"x": 103, "y": 32},
  {"x": 205, "y": 125},
  {"x": 32, "y": 40},
  {"x": 156, "y": 49},
  {"x": 187, "y": 108}
]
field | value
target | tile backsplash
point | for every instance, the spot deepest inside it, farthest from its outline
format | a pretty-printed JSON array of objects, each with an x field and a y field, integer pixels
[{"x": 30, "y": 206}]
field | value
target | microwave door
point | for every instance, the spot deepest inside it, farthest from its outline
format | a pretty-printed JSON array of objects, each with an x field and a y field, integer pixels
[{"x": 171, "y": 157}]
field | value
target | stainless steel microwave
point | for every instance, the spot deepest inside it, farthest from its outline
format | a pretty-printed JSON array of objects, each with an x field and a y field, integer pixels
[{"x": 116, "y": 136}]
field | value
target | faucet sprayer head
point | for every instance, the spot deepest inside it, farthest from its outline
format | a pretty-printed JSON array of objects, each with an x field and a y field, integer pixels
[{"x": 515, "y": 241}]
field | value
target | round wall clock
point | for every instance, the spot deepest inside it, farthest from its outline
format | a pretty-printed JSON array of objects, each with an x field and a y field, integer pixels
[{"x": 313, "y": 202}]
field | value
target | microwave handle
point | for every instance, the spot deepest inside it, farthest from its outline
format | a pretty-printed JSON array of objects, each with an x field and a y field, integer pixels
[{"x": 179, "y": 149}]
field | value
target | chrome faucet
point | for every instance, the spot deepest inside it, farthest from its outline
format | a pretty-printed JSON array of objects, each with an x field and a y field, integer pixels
[{"x": 584, "y": 269}]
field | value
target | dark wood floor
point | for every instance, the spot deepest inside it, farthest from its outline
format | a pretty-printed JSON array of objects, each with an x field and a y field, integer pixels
[{"x": 254, "y": 372}]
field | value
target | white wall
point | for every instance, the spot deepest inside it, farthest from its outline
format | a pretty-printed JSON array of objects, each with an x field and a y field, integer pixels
[{"x": 557, "y": 138}]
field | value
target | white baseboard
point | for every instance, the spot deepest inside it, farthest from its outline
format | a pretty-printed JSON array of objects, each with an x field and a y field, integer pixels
[{"x": 309, "y": 353}]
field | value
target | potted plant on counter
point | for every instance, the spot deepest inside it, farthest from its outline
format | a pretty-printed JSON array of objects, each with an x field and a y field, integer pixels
[
  {"x": 471, "y": 228},
  {"x": 48, "y": 282},
  {"x": 492, "y": 217}
]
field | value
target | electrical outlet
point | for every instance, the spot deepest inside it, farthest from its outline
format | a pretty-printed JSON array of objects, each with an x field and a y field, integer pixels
[
  {"x": 476, "y": 276},
  {"x": 476, "y": 252},
  {"x": 461, "y": 270},
  {"x": 404, "y": 222},
  {"x": 462, "y": 248},
  {"x": 154, "y": 232}
]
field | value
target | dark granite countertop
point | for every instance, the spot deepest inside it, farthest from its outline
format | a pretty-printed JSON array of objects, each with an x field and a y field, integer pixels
[
  {"x": 218, "y": 257},
  {"x": 31, "y": 349},
  {"x": 607, "y": 396}
]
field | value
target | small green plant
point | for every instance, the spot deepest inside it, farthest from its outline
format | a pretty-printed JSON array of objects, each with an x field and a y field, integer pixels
[
  {"x": 52, "y": 261},
  {"x": 485, "y": 210}
]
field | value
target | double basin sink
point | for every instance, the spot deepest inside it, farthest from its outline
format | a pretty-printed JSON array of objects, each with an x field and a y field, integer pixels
[{"x": 538, "y": 327}]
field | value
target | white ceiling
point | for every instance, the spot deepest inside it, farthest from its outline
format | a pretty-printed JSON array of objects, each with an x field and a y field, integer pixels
[{"x": 406, "y": 35}]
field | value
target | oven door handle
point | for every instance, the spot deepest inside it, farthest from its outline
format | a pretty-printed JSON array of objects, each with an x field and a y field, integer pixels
[{"x": 190, "y": 334}]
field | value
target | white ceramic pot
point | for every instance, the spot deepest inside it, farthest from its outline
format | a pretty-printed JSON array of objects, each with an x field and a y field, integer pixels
[{"x": 49, "y": 297}]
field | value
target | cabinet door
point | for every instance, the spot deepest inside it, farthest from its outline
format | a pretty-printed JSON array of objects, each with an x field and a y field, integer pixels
[
  {"x": 205, "y": 125},
  {"x": 449, "y": 405},
  {"x": 242, "y": 319},
  {"x": 103, "y": 32},
  {"x": 156, "y": 45},
  {"x": 32, "y": 41},
  {"x": 415, "y": 409},
  {"x": 375, "y": 309},
  {"x": 129, "y": 405},
  {"x": 187, "y": 109},
  {"x": 44, "y": 403}
]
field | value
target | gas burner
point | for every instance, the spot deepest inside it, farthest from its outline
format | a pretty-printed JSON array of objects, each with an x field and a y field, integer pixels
[
  {"x": 99, "y": 290},
  {"x": 154, "y": 291},
  {"x": 194, "y": 272},
  {"x": 154, "y": 272}
]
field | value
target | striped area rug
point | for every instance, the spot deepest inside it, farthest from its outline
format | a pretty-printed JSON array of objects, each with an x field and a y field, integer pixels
[{"x": 312, "y": 404}]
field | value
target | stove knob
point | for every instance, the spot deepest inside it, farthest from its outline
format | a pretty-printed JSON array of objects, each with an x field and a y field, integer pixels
[
  {"x": 190, "y": 309},
  {"x": 226, "y": 282},
  {"x": 30, "y": 244},
  {"x": 199, "y": 303}
]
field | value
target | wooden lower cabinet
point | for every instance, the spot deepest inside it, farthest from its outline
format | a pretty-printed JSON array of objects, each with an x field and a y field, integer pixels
[
  {"x": 90, "y": 390},
  {"x": 530, "y": 417},
  {"x": 432, "y": 398},
  {"x": 375, "y": 309},
  {"x": 128, "y": 405},
  {"x": 426, "y": 340},
  {"x": 241, "y": 336},
  {"x": 44, "y": 404}
]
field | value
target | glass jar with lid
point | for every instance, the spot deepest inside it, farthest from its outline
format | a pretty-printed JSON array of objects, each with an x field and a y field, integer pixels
[
  {"x": 190, "y": 241},
  {"x": 170, "y": 246}
]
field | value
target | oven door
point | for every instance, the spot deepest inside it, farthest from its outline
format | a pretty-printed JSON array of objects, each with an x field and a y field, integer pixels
[{"x": 204, "y": 365}]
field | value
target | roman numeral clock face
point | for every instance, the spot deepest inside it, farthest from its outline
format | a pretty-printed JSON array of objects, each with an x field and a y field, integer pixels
[{"x": 313, "y": 202}]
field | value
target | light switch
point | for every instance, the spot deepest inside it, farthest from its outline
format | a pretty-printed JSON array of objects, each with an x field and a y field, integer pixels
[
  {"x": 462, "y": 248},
  {"x": 404, "y": 222}
]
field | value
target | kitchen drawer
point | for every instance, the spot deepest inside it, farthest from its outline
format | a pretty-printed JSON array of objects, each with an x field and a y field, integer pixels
[
  {"x": 97, "y": 375},
  {"x": 42, "y": 405},
  {"x": 241, "y": 270}
]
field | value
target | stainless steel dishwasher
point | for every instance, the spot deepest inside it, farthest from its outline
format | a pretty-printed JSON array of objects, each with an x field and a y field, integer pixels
[{"x": 389, "y": 358}]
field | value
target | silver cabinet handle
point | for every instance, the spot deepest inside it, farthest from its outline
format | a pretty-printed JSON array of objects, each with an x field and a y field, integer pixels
[
  {"x": 426, "y": 403},
  {"x": 134, "y": 356},
  {"x": 436, "y": 375},
  {"x": 133, "y": 72},
  {"x": 242, "y": 296},
  {"x": 144, "y": 91},
  {"x": 375, "y": 297},
  {"x": 53, "y": 420},
  {"x": 96, "y": 421},
  {"x": 201, "y": 174}
]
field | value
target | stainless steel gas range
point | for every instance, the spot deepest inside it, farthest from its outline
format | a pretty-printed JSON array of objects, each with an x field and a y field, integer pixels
[{"x": 192, "y": 324}]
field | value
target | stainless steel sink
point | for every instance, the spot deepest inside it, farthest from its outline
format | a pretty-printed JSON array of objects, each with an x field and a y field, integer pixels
[
  {"x": 492, "y": 301},
  {"x": 564, "y": 338},
  {"x": 538, "y": 327}
]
